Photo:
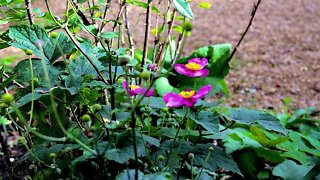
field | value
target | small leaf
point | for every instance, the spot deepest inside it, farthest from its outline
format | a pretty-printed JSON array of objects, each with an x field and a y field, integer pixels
[
  {"x": 183, "y": 7},
  {"x": 110, "y": 35},
  {"x": 4, "y": 121},
  {"x": 205, "y": 5}
]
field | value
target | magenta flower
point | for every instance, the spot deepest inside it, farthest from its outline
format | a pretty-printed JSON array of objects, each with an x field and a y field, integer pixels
[
  {"x": 133, "y": 90},
  {"x": 194, "y": 68},
  {"x": 188, "y": 98}
]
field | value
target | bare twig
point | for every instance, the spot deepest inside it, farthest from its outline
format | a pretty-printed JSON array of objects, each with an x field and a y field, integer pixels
[
  {"x": 146, "y": 36},
  {"x": 253, "y": 13},
  {"x": 104, "y": 16},
  {"x": 127, "y": 26},
  {"x": 28, "y": 8},
  {"x": 80, "y": 13}
]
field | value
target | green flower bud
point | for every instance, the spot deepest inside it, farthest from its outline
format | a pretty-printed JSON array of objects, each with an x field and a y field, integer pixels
[
  {"x": 28, "y": 52},
  {"x": 96, "y": 107},
  {"x": 54, "y": 35},
  {"x": 187, "y": 26},
  {"x": 211, "y": 149},
  {"x": 52, "y": 155},
  {"x": 160, "y": 158},
  {"x": 22, "y": 140},
  {"x": 85, "y": 118},
  {"x": 7, "y": 98}
]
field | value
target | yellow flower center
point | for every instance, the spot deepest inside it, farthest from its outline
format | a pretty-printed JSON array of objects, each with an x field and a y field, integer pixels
[
  {"x": 134, "y": 87},
  {"x": 193, "y": 66},
  {"x": 186, "y": 94}
]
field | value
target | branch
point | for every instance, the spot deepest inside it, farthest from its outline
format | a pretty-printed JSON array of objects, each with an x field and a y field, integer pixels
[
  {"x": 253, "y": 13},
  {"x": 146, "y": 37},
  {"x": 28, "y": 7}
]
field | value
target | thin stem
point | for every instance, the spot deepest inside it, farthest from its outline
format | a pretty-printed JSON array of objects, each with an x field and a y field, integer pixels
[
  {"x": 28, "y": 7},
  {"x": 253, "y": 13},
  {"x": 127, "y": 27},
  {"x": 32, "y": 90},
  {"x": 133, "y": 127},
  {"x": 146, "y": 36}
]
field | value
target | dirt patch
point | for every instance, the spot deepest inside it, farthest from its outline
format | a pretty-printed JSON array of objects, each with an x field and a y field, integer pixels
[{"x": 279, "y": 57}]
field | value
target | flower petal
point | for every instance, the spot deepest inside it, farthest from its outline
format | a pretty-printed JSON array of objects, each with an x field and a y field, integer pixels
[
  {"x": 190, "y": 102},
  {"x": 173, "y": 100},
  {"x": 202, "y": 92},
  {"x": 125, "y": 87},
  {"x": 201, "y": 73},
  {"x": 203, "y": 62}
]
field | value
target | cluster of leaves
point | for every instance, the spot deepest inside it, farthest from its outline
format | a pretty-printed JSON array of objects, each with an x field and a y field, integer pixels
[{"x": 75, "y": 119}]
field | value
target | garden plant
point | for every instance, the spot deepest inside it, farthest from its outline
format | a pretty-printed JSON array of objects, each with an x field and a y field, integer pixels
[{"x": 89, "y": 102}]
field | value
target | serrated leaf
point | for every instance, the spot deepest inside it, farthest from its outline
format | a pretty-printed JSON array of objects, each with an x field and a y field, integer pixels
[
  {"x": 209, "y": 121},
  {"x": 183, "y": 7},
  {"x": 29, "y": 37},
  {"x": 23, "y": 74},
  {"x": 217, "y": 158}
]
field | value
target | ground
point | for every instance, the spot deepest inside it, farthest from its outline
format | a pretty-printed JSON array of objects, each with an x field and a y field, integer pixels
[{"x": 278, "y": 58}]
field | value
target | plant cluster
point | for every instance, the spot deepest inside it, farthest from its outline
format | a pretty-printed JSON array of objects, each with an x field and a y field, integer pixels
[{"x": 88, "y": 103}]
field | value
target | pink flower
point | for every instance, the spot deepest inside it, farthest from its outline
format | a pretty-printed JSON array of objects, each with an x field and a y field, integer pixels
[
  {"x": 188, "y": 98},
  {"x": 133, "y": 90},
  {"x": 194, "y": 68}
]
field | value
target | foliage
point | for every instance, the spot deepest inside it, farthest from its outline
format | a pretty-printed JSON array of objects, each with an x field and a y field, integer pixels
[{"x": 89, "y": 103}]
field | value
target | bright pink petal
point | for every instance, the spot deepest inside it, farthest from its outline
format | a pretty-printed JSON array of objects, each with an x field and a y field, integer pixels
[
  {"x": 201, "y": 73},
  {"x": 202, "y": 92},
  {"x": 125, "y": 87},
  {"x": 141, "y": 91},
  {"x": 190, "y": 102},
  {"x": 173, "y": 100},
  {"x": 203, "y": 62},
  {"x": 181, "y": 69}
]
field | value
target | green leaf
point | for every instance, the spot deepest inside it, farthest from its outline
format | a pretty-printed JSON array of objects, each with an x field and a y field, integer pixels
[
  {"x": 22, "y": 70},
  {"x": 209, "y": 121},
  {"x": 217, "y": 158},
  {"x": 4, "y": 121},
  {"x": 245, "y": 116},
  {"x": 129, "y": 174},
  {"x": 110, "y": 35},
  {"x": 30, "y": 37},
  {"x": 289, "y": 170},
  {"x": 158, "y": 176},
  {"x": 124, "y": 148},
  {"x": 183, "y": 7}
]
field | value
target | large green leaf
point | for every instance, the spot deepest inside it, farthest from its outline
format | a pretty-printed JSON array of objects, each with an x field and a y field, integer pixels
[
  {"x": 124, "y": 148},
  {"x": 183, "y": 7},
  {"x": 245, "y": 116},
  {"x": 23, "y": 72},
  {"x": 217, "y": 158},
  {"x": 30, "y": 37},
  {"x": 162, "y": 86},
  {"x": 289, "y": 170},
  {"x": 209, "y": 121}
]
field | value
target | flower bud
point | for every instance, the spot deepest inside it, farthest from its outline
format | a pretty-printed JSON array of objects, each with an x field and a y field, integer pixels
[
  {"x": 211, "y": 149},
  {"x": 7, "y": 98},
  {"x": 28, "y": 52},
  {"x": 54, "y": 35},
  {"x": 52, "y": 155},
  {"x": 190, "y": 156},
  {"x": 160, "y": 158},
  {"x": 187, "y": 26},
  {"x": 152, "y": 67},
  {"x": 144, "y": 75},
  {"x": 85, "y": 118},
  {"x": 96, "y": 107},
  {"x": 22, "y": 140}
]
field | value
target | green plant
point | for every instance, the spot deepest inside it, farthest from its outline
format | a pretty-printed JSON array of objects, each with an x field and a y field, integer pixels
[{"x": 98, "y": 106}]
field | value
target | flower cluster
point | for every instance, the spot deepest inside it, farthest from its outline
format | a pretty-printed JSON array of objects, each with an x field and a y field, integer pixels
[{"x": 193, "y": 68}]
